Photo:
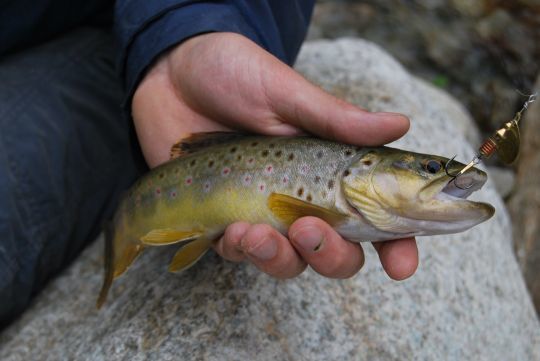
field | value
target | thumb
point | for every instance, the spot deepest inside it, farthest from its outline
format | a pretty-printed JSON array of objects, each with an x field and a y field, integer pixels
[{"x": 300, "y": 103}]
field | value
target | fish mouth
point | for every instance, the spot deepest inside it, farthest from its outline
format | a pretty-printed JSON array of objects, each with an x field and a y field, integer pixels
[
  {"x": 452, "y": 194},
  {"x": 462, "y": 187}
]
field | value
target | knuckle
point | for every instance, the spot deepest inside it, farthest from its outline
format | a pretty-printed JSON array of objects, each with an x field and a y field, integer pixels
[
  {"x": 341, "y": 265},
  {"x": 235, "y": 232}
]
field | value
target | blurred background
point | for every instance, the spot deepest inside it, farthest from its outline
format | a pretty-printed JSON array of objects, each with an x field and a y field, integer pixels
[{"x": 480, "y": 51}]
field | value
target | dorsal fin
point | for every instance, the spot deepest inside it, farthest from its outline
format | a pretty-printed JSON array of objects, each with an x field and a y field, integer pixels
[{"x": 197, "y": 141}]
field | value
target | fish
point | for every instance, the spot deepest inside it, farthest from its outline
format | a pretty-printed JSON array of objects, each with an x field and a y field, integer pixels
[{"x": 215, "y": 179}]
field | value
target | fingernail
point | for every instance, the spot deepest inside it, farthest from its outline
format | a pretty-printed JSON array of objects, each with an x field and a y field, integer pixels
[
  {"x": 389, "y": 114},
  {"x": 309, "y": 238},
  {"x": 265, "y": 250}
]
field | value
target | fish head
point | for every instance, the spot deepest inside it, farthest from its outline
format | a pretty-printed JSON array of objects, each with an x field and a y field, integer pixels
[{"x": 409, "y": 194}]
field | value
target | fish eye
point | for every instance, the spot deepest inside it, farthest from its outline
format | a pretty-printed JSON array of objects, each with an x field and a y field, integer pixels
[{"x": 433, "y": 166}]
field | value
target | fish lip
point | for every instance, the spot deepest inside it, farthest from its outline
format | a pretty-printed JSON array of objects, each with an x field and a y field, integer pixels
[
  {"x": 454, "y": 200},
  {"x": 463, "y": 186},
  {"x": 445, "y": 188}
]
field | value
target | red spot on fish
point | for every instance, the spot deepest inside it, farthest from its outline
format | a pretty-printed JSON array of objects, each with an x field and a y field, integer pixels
[
  {"x": 206, "y": 186},
  {"x": 173, "y": 194},
  {"x": 246, "y": 180},
  {"x": 268, "y": 169},
  {"x": 226, "y": 171},
  {"x": 285, "y": 180},
  {"x": 189, "y": 180},
  {"x": 158, "y": 191},
  {"x": 261, "y": 187},
  {"x": 251, "y": 160}
]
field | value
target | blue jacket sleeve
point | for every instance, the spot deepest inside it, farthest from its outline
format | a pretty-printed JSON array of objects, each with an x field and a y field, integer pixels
[{"x": 145, "y": 28}]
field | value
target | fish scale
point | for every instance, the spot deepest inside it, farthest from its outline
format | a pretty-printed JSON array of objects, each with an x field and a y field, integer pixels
[{"x": 217, "y": 179}]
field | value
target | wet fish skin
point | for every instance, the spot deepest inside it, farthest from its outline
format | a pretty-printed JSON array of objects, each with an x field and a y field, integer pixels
[{"x": 364, "y": 193}]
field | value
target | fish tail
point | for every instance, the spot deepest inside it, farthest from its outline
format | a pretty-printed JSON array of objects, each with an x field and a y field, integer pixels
[{"x": 119, "y": 255}]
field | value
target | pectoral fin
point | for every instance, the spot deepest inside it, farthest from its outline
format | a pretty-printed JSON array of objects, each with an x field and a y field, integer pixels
[
  {"x": 289, "y": 209},
  {"x": 188, "y": 255},
  {"x": 166, "y": 236}
]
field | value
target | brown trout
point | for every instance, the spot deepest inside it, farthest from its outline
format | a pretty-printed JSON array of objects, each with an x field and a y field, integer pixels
[{"x": 215, "y": 179}]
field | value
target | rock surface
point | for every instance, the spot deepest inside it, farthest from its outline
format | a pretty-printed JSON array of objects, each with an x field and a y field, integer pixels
[
  {"x": 480, "y": 51},
  {"x": 504, "y": 180},
  {"x": 525, "y": 202},
  {"x": 467, "y": 301}
]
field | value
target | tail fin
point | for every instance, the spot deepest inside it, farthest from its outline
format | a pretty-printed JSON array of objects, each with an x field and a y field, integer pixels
[
  {"x": 119, "y": 254},
  {"x": 109, "y": 271}
]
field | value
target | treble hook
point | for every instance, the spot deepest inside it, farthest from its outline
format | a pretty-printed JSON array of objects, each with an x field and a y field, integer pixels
[{"x": 454, "y": 176}]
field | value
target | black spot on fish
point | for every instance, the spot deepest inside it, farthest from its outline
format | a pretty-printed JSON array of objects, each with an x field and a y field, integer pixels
[
  {"x": 367, "y": 162},
  {"x": 254, "y": 144},
  {"x": 161, "y": 175},
  {"x": 309, "y": 198},
  {"x": 319, "y": 154},
  {"x": 211, "y": 164},
  {"x": 233, "y": 149},
  {"x": 331, "y": 184},
  {"x": 300, "y": 192},
  {"x": 317, "y": 179},
  {"x": 348, "y": 153},
  {"x": 291, "y": 156},
  {"x": 265, "y": 152},
  {"x": 346, "y": 173},
  {"x": 239, "y": 157},
  {"x": 192, "y": 163},
  {"x": 278, "y": 153},
  {"x": 272, "y": 145}
]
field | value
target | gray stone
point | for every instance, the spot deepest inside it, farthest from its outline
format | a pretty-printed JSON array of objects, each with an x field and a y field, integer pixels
[
  {"x": 525, "y": 202},
  {"x": 467, "y": 301},
  {"x": 504, "y": 180},
  {"x": 479, "y": 51}
]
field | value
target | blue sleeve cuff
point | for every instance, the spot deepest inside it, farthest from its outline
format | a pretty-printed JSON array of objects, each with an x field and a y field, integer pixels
[{"x": 171, "y": 28}]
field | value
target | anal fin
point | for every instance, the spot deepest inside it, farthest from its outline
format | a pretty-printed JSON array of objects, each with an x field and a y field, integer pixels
[
  {"x": 166, "y": 236},
  {"x": 188, "y": 255},
  {"x": 289, "y": 209}
]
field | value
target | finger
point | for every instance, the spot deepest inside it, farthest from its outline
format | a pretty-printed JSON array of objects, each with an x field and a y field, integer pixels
[
  {"x": 228, "y": 246},
  {"x": 304, "y": 105},
  {"x": 399, "y": 258},
  {"x": 324, "y": 250},
  {"x": 271, "y": 252}
]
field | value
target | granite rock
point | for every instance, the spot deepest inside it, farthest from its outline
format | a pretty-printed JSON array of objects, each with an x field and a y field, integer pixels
[
  {"x": 467, "y": 301},
  {"x": 524, "y": 205},
  {"x": 480, "y": 51},
  {"x": 504, "y": 180}
]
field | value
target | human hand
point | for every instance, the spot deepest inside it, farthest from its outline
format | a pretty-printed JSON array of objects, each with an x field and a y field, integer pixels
[{"x": 223, "y": 81}]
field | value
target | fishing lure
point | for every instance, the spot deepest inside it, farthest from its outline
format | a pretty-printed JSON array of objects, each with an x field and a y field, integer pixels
[{"x": 505, "y": 142}]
